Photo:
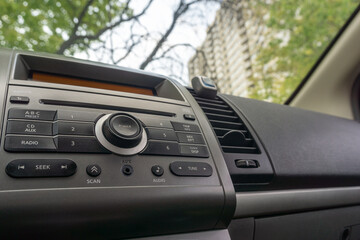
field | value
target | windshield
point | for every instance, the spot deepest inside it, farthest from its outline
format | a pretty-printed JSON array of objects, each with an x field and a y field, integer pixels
[{"x": 260, "y": 48}]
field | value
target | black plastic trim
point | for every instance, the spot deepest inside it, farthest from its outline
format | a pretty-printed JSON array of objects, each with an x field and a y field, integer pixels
[{"x": 355, "y": 99}]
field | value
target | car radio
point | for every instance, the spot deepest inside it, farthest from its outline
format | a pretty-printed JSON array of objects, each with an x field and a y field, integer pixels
[
  {"x": 86, "y": 143},
  {"x": 64, "y": 131},
  {"x": 60, "y": 125}
]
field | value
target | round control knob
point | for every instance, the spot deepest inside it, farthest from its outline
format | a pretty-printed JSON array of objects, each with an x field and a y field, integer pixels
[
  {"x": 122, "y": 130},
  {"x": 121, "y": 133}
]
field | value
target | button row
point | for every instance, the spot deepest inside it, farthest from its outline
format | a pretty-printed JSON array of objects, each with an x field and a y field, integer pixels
[
  {"x": 49, "y": 123},
  {"x": 29, "y": 168},
  {"x": 175, "y": 149},
  {"x": 167, "y": 140},
  {"x": 51, "y": 115},
  {"x": 53, "y": 144},
  {"x": 177, "y": 126},
  {"x": 49, "y": 128},
  {"x": 41, "y": 122},
  {"x": 170, "y": 135}
]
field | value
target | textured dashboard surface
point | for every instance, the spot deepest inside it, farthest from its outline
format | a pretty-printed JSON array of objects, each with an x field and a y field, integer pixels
[{"x": 307, "y": 149}]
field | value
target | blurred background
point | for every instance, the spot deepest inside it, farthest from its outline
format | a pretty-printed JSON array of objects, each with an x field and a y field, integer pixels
[{"x": 253, "y": 48}]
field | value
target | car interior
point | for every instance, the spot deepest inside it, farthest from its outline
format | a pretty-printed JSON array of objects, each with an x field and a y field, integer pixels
[{"x": 97, "y": 151}]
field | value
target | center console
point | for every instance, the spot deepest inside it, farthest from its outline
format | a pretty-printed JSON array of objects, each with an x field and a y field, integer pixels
[{"x": 104, "y": 152}]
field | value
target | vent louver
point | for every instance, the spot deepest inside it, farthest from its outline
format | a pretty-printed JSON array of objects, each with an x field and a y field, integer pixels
[{"x": 231, "y": 131}]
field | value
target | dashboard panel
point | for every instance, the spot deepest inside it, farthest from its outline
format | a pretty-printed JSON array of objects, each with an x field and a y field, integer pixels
[{"x": 150, "y": 158}]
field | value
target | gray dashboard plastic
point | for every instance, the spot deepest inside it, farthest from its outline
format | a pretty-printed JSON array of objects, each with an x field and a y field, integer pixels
[
  {"x": 107, "y": 213},
  {"x": 331, "y": 224},
  {"x": 307, "y": 149},
  {"x": 268, "y": 203}
]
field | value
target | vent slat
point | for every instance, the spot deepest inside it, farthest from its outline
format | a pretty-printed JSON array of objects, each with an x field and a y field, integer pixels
[
  {"x": 227, "y": 125},
  {"x": 212, "y": 105},
  {"x": 218, "y": 111},
  {"x": 240, "y": 149},
  {"x": 219, "y": 117},
  {"x": 209, "y": 100},
  {"x": 247, "y": 143}
]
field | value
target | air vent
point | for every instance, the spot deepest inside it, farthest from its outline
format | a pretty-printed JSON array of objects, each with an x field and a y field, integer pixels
[{"x": 231, "y": 131}]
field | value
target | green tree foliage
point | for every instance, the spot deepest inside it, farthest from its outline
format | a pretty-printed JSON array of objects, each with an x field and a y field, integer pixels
[
  {"x": 45, "y": 25},
  {"x": 297, "y": 33}
]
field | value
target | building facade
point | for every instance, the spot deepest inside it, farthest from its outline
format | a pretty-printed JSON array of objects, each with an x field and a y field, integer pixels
[{"x": 228, "y": 53}]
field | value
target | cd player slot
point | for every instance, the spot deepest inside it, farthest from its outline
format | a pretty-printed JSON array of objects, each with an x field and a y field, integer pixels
[{"x": 107, "y": 107}]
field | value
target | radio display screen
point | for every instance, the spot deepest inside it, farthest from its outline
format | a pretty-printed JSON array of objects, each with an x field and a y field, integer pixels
[{"x": 49, "y": 78}]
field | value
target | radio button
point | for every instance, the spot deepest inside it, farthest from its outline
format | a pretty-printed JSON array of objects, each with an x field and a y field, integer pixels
[
  {"x": 19, "y": 100},
  {"x": 79, "y": 144},
  {"x": 157, "y": 170},
  {"x": 190, "y": 138},
  {"x": 29, "y": 127},
  {"x": 93, "y": 170},
  {"x": 78, "y": 115},
  {"x": 46, "y": 115},
  {"x": 74, "y": 128},
  {"x": 191, "y": 169},
  {"x": 162, "y": 148},
  {"x": 185, "y": 127},
  {"x": 41, "y": 168},
  {"x": 29, "y": 144},
  {"x": 157, "y": 123},
  {"x": 190, "y": 117},
  {"x": 124, "y": 126},
  {"x": 194, "y": 151},
  {"x": 161, "y": 134},
  {"x": 124, "y": 131}
]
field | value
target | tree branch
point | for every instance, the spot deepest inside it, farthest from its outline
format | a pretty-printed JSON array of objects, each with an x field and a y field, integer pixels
[
  {"x": 66, "y": 44},
  {"x": 181, "y": 9},
  {"x": 172, "y": 48},
  {"x": 74, "y": 38}
]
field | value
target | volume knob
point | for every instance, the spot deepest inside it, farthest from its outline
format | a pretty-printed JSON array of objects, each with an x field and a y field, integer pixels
[{"x": 121, "y": 133}]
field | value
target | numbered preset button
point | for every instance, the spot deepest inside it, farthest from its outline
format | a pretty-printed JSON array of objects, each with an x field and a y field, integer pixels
[
  {"x": 78, "y": 144},
  {"x": 29, "y": 128},
  {"x": 162, "y": 148},
  {"x": 161, "y": 134},
  {"x": 78, "y": 115},
  {"x": 74, "y": 128}
]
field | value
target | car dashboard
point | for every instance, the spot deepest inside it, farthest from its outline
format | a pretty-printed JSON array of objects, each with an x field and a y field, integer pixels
[{"x": 95, "y": 151}]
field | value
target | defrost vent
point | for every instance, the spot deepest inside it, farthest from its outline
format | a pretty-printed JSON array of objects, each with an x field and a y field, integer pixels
[{"x": 233, "y": 135}]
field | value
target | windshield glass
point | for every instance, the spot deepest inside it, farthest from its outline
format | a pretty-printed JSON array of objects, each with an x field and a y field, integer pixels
[{"x": 260, "y": 48}]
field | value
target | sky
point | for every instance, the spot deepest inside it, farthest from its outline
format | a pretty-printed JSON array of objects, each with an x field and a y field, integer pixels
[{"x": 191, "y": 29}]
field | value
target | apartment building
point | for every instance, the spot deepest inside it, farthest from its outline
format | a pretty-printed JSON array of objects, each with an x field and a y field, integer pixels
[{"x": 230, "y": 48}]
